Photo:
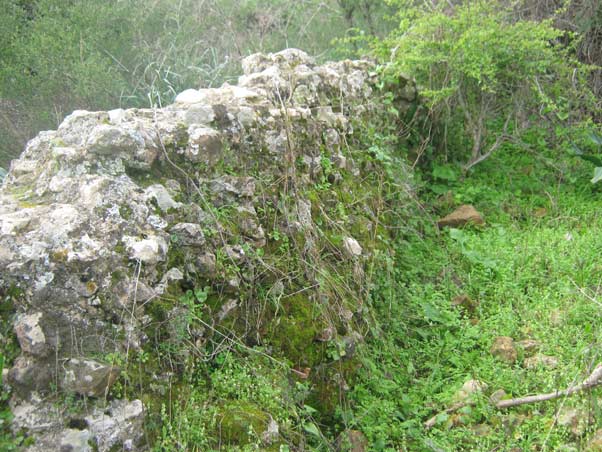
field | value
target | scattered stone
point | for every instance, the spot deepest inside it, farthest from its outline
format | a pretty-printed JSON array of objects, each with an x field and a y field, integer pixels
[
  {"x": 30, "y": 334},
  {"x": 89, "y": 378},
  {"x": 120, "y": 427},
  {"x": 352, "y": 441},
  {"x": 503, "y": 349},
  {"x": 352, "y": 247},
  {"x": 540, "y": 212},
  {"x": 529, "y": 346},
  {"x": 497, "y": 396},
  {"x": 160, "y": 194},
  {"x": 468, "y": 389},
  {"x": 188, "y": 234},
  {"x": 462, "y": 216},
  {"x": 271, "y": 434},
  {"x": 534, "y": 362},
  {"x": 568, "y": 448},
  {"x": 464, "y": 301},
  {"x": 206, "y": 264},
  {"x": 151, "y": 250},
  {"x": 73, "y": 440},
  {"x": 574, "y": 419}
]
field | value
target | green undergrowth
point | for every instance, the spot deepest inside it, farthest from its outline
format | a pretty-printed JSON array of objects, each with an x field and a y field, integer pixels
[
  {"x": 9, "y": 350},
  {"x": 532, "y": 272}
]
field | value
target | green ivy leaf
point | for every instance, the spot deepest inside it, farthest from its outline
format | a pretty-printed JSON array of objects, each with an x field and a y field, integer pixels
[
  {"x": 597, "y": 175},
  {"x": 596, "y": 138},
  {"x": 311, "y": 428}
]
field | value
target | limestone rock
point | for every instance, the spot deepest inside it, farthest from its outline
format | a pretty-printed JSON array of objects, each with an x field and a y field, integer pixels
[
  {"x": 73, "y": 440},
  {"x": 204, "y": 145},
  {"x": 533, "y": 362},
  {"x": 30, "y": 335},
  {"x": 162, "y": 197},
  {"x": 190, "y": 96},
  {"x": 29, "y": 374},
  {"x": 469, "y": 389},
  {"x": 228, "y": 189},
  {"x": 352, "y": 247},
  {"x": 148, "y": 251},
  {"x": 503, "y": 349},
  {"x": 101, "y": 215},
  {"x": 206, "y": 264},
  {"x": 529, "y": 346},
  {"x": 575, "y": 419},
  {"x": 107, "y": 139},
  {"x": 462, "y": 216},
  {"x": 119, "y": 426},
  {"x": 88, "y": 377},
  {"x": 188, "y": 234},
  {"x": 272, "y": 433}
]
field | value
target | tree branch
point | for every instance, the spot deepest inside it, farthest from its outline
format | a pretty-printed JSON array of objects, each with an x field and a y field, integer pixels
[{"x": 594, "y": 379}]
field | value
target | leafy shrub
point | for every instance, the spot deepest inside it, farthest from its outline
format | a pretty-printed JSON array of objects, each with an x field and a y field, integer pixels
[{"x": 481, "y": 71}]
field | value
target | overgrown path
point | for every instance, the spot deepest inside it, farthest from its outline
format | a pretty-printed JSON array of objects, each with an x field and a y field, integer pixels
[{"x": 507, "y": 310}]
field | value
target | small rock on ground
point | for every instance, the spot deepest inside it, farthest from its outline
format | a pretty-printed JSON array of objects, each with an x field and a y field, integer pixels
[
  {"x": 503, "y": 349},
  {"x": 462, "y": 216}
]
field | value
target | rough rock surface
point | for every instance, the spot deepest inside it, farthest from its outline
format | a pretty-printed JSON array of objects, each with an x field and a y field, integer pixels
[
  {"x": 462, "y": 216},
  {"x": 503, "y": 349},
  {"x": 107, "y": 217}
]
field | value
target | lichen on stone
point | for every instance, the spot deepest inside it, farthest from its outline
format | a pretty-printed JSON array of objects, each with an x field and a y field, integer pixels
[{"x": 237, "y": 215}]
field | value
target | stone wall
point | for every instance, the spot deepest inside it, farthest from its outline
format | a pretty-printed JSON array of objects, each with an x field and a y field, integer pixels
[{"x": 119, "y": 224}]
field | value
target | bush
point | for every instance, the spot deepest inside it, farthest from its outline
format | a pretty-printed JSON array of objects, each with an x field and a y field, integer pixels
[{"x": 482, "y": 72}]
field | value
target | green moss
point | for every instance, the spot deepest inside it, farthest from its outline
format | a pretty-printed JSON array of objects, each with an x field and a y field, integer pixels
[
  {"x": 176, "y": 257},
  {"x": 241, "y": 422},
  {"x": 293, "y": 333},
  {"x": 116, "y": 277},
  {"x": 125, "y": 211},
  {"x": 59, "y": 256}
]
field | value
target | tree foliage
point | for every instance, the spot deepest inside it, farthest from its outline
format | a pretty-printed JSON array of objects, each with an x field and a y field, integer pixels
[
  {"x": 482, "y": 71},
  {"x": 56, "y": 55}
]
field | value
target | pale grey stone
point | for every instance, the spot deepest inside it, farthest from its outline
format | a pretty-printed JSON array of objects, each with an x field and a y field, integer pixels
[
  {"x": 160, "y": 194},
  {"x": 30, "y": 335},
  {"x": 190, "y": 96},
  {"x": 188, "y": 234},
  {"x": 88, "y": 377},
  {"x": 149, "y": 251},
  {"x": 352, "y": 247}
]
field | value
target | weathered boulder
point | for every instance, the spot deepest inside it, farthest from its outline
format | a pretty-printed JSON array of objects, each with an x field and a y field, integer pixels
[
  {"x": 462, "y": 216},
  {"x": 109, "y": 221},
  {"x": 503, "y": 349}
]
